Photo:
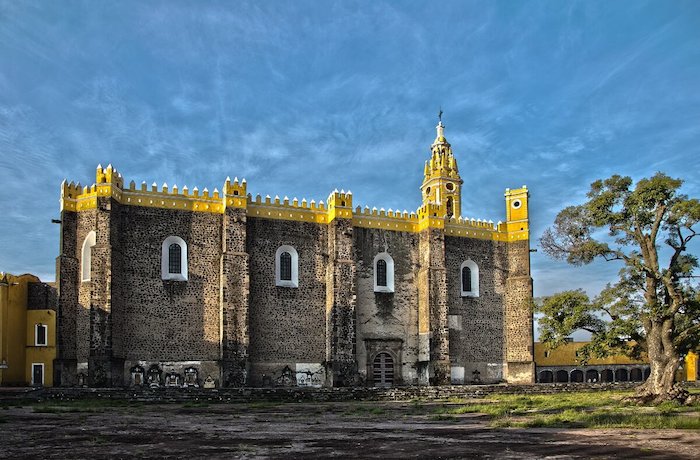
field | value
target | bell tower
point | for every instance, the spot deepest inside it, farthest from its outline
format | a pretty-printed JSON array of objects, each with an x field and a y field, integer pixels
[{"x": 441, "y": 184}]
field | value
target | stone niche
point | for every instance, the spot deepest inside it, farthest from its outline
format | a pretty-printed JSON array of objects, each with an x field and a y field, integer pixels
[
  {"x": 191, "y": 377},
  {"x": 173, "y": 379},
  {"x": 138, "y": 375},
  {"x": 154, "y": 376}
]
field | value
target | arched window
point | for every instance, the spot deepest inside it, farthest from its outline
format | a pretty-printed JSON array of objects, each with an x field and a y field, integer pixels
[
  {"x": 469, "y": 278},
  {"x": 286, "y": 267},
  {"x": 466, "y": 279},
  {"x": 86, "y": 256},
  {"x": 383, "y": 273},
  {"x": 173, "y": 260}
]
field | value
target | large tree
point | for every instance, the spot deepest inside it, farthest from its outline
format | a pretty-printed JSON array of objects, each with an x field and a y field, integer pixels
[{"x": 654, "y": 306}]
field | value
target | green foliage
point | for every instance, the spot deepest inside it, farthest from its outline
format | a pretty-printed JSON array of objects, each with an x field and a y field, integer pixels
[{"x": 653, "y": 292}]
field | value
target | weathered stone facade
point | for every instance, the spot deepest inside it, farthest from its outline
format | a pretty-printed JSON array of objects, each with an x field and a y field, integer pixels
[{"x": 333, "y": 320}]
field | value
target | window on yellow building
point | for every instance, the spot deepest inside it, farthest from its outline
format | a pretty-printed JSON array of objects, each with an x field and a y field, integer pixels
[{"x": 40, "y": 335}]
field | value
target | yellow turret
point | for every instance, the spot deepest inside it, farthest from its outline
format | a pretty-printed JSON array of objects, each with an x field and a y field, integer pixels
[
  {"x": 442, "y": 185},
  {"x": 517, "y": 218}
]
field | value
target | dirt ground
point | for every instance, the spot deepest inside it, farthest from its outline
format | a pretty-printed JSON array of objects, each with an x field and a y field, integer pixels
[{"x": 322, "y": 430}]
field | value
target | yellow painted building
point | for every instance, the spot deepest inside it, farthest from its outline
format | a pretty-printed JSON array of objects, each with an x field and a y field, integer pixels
[
  {"x": 566, "y": 355},
  {"x": 27, "y": 331},
  {"x": 691, "y": 366}
]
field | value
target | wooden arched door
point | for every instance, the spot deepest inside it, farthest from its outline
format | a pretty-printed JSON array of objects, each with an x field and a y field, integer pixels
[{"x": 383, "y": 370}]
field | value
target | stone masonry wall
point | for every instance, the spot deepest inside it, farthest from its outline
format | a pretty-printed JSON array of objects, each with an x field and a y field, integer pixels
[
  {"x": 101, "y": 296},
  {"x": 476, "y": 323},
  {"x": 87, "y": 222},
  {"x": 287, "y": 325},
  {"x": 235, "y": 297},
  {"x": 67, "y": 268},
  {"x": 341, "y": 347},
  {"x": 518, "y": 315},
  {"x": 170, "y": 320},
  {"x": 387, "y": 322},
  {"x": 41, "y": 296},
  {"x": 433, "y": 274}
]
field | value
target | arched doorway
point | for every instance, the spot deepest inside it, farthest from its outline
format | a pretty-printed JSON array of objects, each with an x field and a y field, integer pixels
[
  {"x": 621, "y": 375},
  {"x": 592, "y": 376},
  {"x": 607, "y": 376},
  {"x": 577, "y": 376},
  {"x": 562, "y": 376},
  {"x": 383, "y": 370},
  {"x": 647, "y": 373},
  {"x": 546, "y": 377}
]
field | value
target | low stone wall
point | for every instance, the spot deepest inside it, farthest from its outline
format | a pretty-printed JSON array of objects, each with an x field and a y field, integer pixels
[{"x": 245, "y": 395}]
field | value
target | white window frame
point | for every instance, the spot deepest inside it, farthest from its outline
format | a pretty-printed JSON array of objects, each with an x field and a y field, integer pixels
[
  {"x": 86, "y": 256},
  {"x": 43, "y": 374},
  {"x": 165, "y": 259},
  {"x": 474, "y": 278},
  {"x": 36, "y": 335},
  {"x": 294, "y": 282},
  {"x": 389, "y": 272}
]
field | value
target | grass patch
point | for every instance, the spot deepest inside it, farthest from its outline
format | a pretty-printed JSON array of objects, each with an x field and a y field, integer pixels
[
  {"x": 602, "y": 419},
  {"x": 578, "y": 410}
]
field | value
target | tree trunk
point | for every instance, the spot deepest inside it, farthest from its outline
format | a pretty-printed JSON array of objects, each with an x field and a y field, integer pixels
[{"x": 661, "y": 384}]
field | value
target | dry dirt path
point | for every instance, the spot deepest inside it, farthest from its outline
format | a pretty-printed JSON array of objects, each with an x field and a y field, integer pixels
[{"x": 323, "y": 430}]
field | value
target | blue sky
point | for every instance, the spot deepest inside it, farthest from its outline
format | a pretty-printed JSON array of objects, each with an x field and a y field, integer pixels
[{"x": 304, "y": 97}]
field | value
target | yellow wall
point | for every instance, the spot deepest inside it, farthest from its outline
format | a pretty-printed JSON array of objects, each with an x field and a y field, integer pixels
[
  {"x": 40, "y": 354},
  {"x": 691, "y": 367},
  {"x": 565, "y": 355},
  {"x": 17, "y": 322}
]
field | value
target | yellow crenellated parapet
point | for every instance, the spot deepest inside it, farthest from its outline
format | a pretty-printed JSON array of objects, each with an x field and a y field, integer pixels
[
  {"x": 108, "y": 175},
  {"x": 431, "y": 215},
  {"x": 75, "y": 197},
  {"x": 286, "y": 209},
  {"x": 110, "y": 183},
  {"x": 235, "y": 193},
  {"x": 339, "y": 205},
  {"x": 388, "y": 220}
]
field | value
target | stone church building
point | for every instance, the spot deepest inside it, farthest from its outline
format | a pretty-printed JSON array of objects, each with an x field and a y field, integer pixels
[{"x": 177, "y": 287}]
